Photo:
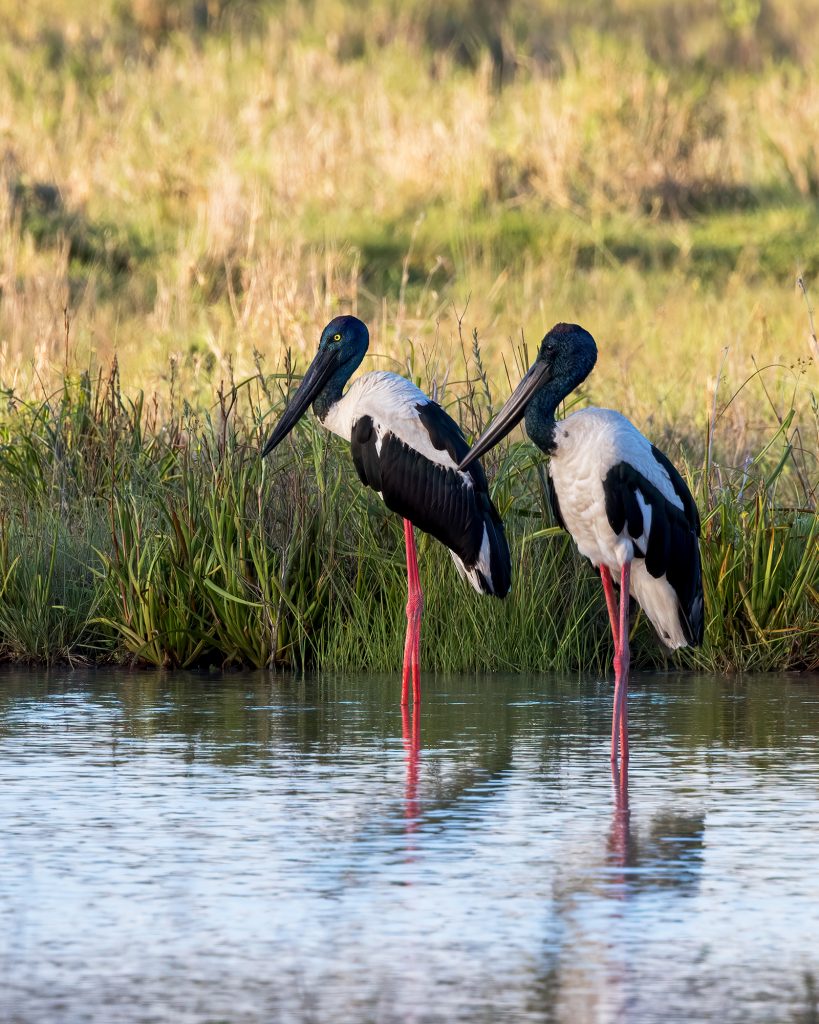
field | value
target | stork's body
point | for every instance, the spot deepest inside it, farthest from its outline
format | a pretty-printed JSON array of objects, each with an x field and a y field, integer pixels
[
  {"x": 625, "y": 505},
  {"x": 406, "y": 448},
  {"x": 622, "y": 501}
]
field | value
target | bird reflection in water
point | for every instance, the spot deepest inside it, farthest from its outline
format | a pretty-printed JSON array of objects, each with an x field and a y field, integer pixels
[
  {"x": 597, "y": 900},
  {"x": 618, "y": 842},
  {"x": 411, "y": 729},
  {"x": 667, "y": 855}
]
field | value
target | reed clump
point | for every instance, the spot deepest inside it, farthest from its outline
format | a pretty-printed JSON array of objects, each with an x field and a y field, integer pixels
[{"x": 127, "y": 536}]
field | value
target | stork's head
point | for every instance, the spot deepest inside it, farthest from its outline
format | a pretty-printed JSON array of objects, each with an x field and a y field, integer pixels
[
  {"x": 565, "y": 358},
  {"x": 345, "y": 339},
  {"x": 566, "y": 354},
  {"x": 342, "y": 346}
]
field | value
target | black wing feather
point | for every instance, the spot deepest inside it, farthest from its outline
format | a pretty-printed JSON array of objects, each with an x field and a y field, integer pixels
[
  {"x": 692, "y": 513},
  {"x": 365, "y": 460},
  {"x": 553, "y": 501},
  {"x": 434, "y": 498},
  {"x": 673, "y": 547}
]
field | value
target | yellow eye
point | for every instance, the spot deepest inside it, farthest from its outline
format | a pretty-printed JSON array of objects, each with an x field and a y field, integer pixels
[{"x": 336, "y": 337}]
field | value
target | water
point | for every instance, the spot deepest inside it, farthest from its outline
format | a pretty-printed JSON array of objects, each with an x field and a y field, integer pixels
[{"x": 246, "y": 849}]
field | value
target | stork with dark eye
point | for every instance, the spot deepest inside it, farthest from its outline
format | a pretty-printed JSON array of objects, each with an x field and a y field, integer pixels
[
  {"x": 626, "y": 506},
  {"x": 407, "y": 449}
]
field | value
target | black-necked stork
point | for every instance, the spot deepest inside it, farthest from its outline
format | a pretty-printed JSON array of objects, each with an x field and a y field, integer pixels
[
  {"x": 407, "y": 448},
  {"x": 626, "y": 506}
]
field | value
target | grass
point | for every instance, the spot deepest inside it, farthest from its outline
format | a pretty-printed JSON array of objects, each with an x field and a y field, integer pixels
[
  {"x": 170, "y": 542},
  {"x": 189, "y": 191},
  {"x": 200, "y": 182}
]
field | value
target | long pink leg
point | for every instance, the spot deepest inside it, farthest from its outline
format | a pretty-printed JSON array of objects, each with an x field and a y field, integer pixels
[
  {"x": 619, "y": 723},
  {"x": 415, "y": 605},
  {"x": 611, "y": 604}
]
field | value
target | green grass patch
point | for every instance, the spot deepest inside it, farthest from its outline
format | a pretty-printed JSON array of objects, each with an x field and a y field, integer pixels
[{"x": 172, "y": 543}]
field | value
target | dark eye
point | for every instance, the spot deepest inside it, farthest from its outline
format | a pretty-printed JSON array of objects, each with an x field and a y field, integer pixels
[{"x": 336, "y": 337}]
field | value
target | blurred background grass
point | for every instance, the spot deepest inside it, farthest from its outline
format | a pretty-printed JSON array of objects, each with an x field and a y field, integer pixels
[{"x": 201, "y": 181}]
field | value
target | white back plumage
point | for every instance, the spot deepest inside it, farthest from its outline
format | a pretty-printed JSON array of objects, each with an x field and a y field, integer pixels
[
  {"x": 588, "y": 444},
  {"x": 392, "y": 403}
]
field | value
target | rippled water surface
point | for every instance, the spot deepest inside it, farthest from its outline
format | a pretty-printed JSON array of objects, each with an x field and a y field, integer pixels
[{"x": 242, "y": 849}]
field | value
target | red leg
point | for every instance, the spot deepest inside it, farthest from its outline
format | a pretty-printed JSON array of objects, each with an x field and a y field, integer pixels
[
  {"x": 405, "y": 677},
  {"x": 611, "y": 604},
  {"x": 415, "y": 604},
  {"x": 615, "y": 718},
  {"x": 417, "y": 609},
  {"x": 614, "y": 620},
  {"x": 619, "y": 723}
]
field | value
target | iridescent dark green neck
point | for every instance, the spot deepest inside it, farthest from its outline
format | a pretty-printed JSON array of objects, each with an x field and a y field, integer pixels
[
  {"x": 334, "y": 388},
  {"x": 540, "y": 415}
]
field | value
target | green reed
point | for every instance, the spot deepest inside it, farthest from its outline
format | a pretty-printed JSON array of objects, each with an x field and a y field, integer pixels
[{"x": 127, "y": 536}]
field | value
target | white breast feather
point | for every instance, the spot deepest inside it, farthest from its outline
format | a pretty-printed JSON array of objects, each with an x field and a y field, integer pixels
[
  {"x": 589, "y": 443},
  {"x": 392, "y": 403}
]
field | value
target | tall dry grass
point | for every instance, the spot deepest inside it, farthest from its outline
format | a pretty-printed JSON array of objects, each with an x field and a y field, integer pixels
[{"x": 204, "y": 181}]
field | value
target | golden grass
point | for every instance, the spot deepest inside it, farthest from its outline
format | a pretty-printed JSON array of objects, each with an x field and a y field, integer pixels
[{"x": 222, "y": 192}]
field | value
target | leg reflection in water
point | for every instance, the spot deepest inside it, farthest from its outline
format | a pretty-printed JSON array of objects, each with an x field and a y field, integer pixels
[
  {"x": 618, "y": 845},
  {"x": 411, "y": 727}
]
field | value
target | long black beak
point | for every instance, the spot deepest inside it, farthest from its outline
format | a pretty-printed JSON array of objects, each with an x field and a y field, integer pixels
[
  {"x": 510, "y": 415},
  {"x": 317, "y": 375}
]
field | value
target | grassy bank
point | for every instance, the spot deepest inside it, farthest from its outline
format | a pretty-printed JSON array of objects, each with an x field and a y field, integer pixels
[
  {"x": 188, "y": 191},
  {"x": 168, "y": 541}
]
